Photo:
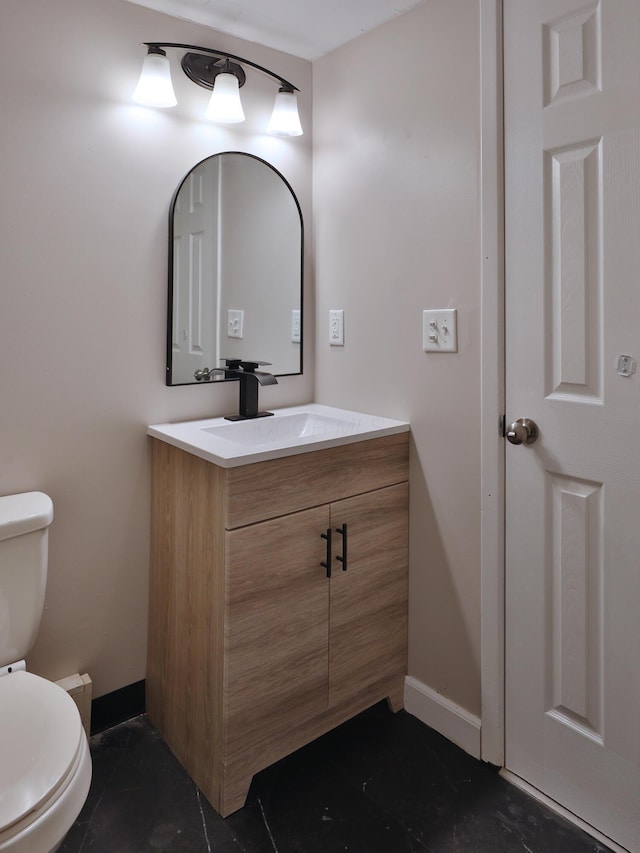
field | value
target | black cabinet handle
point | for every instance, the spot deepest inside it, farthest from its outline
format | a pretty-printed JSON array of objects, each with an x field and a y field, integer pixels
[
  {"x": 343, "y": 559},
  {"x": 327, "y": 565}
]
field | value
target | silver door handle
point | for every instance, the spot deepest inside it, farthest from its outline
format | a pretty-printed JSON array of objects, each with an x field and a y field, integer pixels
[{"x": 522, "y": 431}]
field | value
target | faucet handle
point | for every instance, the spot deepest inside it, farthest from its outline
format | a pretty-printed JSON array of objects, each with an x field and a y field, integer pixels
[
  {"x": 245, "y": 364},
  {"x": 232, "y": 363},
  {"x": 250, "y": 366}
]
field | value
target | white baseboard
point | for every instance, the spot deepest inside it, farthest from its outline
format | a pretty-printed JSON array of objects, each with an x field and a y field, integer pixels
[
  {"x": 80, "y": 688},
  {"x": 443, "y": 715}
]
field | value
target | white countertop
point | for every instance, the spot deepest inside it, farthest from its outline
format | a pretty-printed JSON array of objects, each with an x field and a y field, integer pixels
[{"x": 298, "y": 429}]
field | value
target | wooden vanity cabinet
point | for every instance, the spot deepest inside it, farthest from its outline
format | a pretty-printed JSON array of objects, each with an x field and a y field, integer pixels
[{"x": 253, "y": 650}]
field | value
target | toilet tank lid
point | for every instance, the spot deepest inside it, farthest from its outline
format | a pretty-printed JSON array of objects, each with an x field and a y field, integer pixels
[{"x": 24, "y": 513}]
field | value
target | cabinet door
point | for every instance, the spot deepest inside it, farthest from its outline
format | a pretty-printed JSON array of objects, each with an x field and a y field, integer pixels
[
  {"x": 368, "y": 621},
  {"x": 276, "y": 628}
]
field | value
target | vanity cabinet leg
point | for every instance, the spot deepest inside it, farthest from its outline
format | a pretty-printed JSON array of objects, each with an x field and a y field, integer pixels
[
  {"x": 395, "y": 698},
  {"x": 234, "y": 791}
]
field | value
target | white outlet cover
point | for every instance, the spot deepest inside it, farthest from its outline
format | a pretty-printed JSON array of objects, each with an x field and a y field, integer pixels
[
  {"x": 440, "y": 330},
  {"x": 295, "y": 326},
  {"x": 336, "y": 327}
]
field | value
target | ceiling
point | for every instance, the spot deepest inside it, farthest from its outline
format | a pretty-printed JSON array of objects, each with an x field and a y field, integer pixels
[{"x": 304, "y": 28}]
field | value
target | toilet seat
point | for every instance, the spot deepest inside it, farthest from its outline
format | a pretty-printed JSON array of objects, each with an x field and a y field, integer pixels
[{"x": 45, "y": 768}]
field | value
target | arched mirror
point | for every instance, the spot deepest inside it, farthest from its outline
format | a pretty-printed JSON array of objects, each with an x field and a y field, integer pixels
[{"x": 235, "y": 270}]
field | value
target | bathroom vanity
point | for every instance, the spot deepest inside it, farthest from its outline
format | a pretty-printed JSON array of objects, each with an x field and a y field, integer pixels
[{"x": 278, "y": 593}]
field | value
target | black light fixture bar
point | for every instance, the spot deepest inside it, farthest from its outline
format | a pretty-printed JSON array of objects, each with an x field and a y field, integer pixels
[{"x": 285, "y": 84}]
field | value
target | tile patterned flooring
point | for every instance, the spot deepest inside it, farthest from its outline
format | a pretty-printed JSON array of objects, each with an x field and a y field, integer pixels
[{"x": 381, "y": 783}]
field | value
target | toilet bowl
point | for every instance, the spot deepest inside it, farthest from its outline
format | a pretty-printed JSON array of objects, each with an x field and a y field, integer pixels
[
  {"x": 45, "y": 769},
  {"x": 45, "y": 765}
]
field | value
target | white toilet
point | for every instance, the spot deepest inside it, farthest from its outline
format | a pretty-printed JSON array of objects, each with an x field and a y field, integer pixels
[{"x": 45, "y": 766}]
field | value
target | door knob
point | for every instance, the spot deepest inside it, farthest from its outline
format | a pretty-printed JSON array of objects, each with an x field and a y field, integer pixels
[{"x": 522, "y": 431}]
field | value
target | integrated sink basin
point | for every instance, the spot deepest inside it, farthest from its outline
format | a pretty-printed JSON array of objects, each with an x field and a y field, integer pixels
[
  {"x": 298, "y": 429},
  {"x": 283, "y": 428}
]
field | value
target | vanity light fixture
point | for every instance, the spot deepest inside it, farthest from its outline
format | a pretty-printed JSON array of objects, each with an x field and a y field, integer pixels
[{"x": 224, "y": 75}]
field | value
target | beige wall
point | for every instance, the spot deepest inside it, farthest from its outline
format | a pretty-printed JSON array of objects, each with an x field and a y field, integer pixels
[
  {"x": 86, "y": 181},
  {"x": 397, "y": 230}
]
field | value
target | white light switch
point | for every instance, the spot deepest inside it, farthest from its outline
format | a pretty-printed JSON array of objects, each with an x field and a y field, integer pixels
[
  {"x": 440, "y": 330},
  {"x": 336, "y": 328},
  {"x": 235, "y": 323}
]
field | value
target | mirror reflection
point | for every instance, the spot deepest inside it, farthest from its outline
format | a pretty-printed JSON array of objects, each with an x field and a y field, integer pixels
[{"x": 235, "y": 270}]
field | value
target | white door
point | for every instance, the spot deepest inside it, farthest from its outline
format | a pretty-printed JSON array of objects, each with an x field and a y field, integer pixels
[
  {"x": 572, "y": 148},
  {"x": 194, "y": 335}
]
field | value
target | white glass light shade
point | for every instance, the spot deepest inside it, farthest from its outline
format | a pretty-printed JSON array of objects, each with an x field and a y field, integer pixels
[
  {"x": 225, "y": 105},
  {"x": 154, "y": 87},
  {"x": 285, "y": 120}
]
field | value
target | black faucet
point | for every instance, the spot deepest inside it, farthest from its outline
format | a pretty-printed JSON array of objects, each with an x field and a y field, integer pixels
[{"x": 250, "y": 377}]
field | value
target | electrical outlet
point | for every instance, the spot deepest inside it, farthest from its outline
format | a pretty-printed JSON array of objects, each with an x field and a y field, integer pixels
[
  {"x": 440, "y": 330},
  {"x": 235, "y": 323},
  {"x": 295, "y": 326},
  {"x": 336, "y": 328}
]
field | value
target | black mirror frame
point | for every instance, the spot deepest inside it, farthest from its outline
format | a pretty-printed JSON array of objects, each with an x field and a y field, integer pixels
[{"x": 169, "y": 352}]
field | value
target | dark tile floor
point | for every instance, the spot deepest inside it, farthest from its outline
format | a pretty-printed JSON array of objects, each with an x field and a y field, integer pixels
[{"x": 381, "y": 783}]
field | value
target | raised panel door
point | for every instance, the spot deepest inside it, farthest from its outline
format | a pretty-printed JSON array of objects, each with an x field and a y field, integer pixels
[
  {"x": 276, "y": 628},
  {"x": 368, "y": 611},
  {"x": 572, "y": 134},
  {"x": 194, "y": 333}
]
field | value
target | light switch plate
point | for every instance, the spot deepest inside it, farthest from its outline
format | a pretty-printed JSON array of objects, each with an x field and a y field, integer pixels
[
  {"x": 440, "y": 330},
  {"x": 336, "y": 327},
  {"x": 235, "y": 323}
]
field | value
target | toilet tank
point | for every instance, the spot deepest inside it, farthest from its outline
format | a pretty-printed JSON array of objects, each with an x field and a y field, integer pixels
[{"x": 24, "y": 539}]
